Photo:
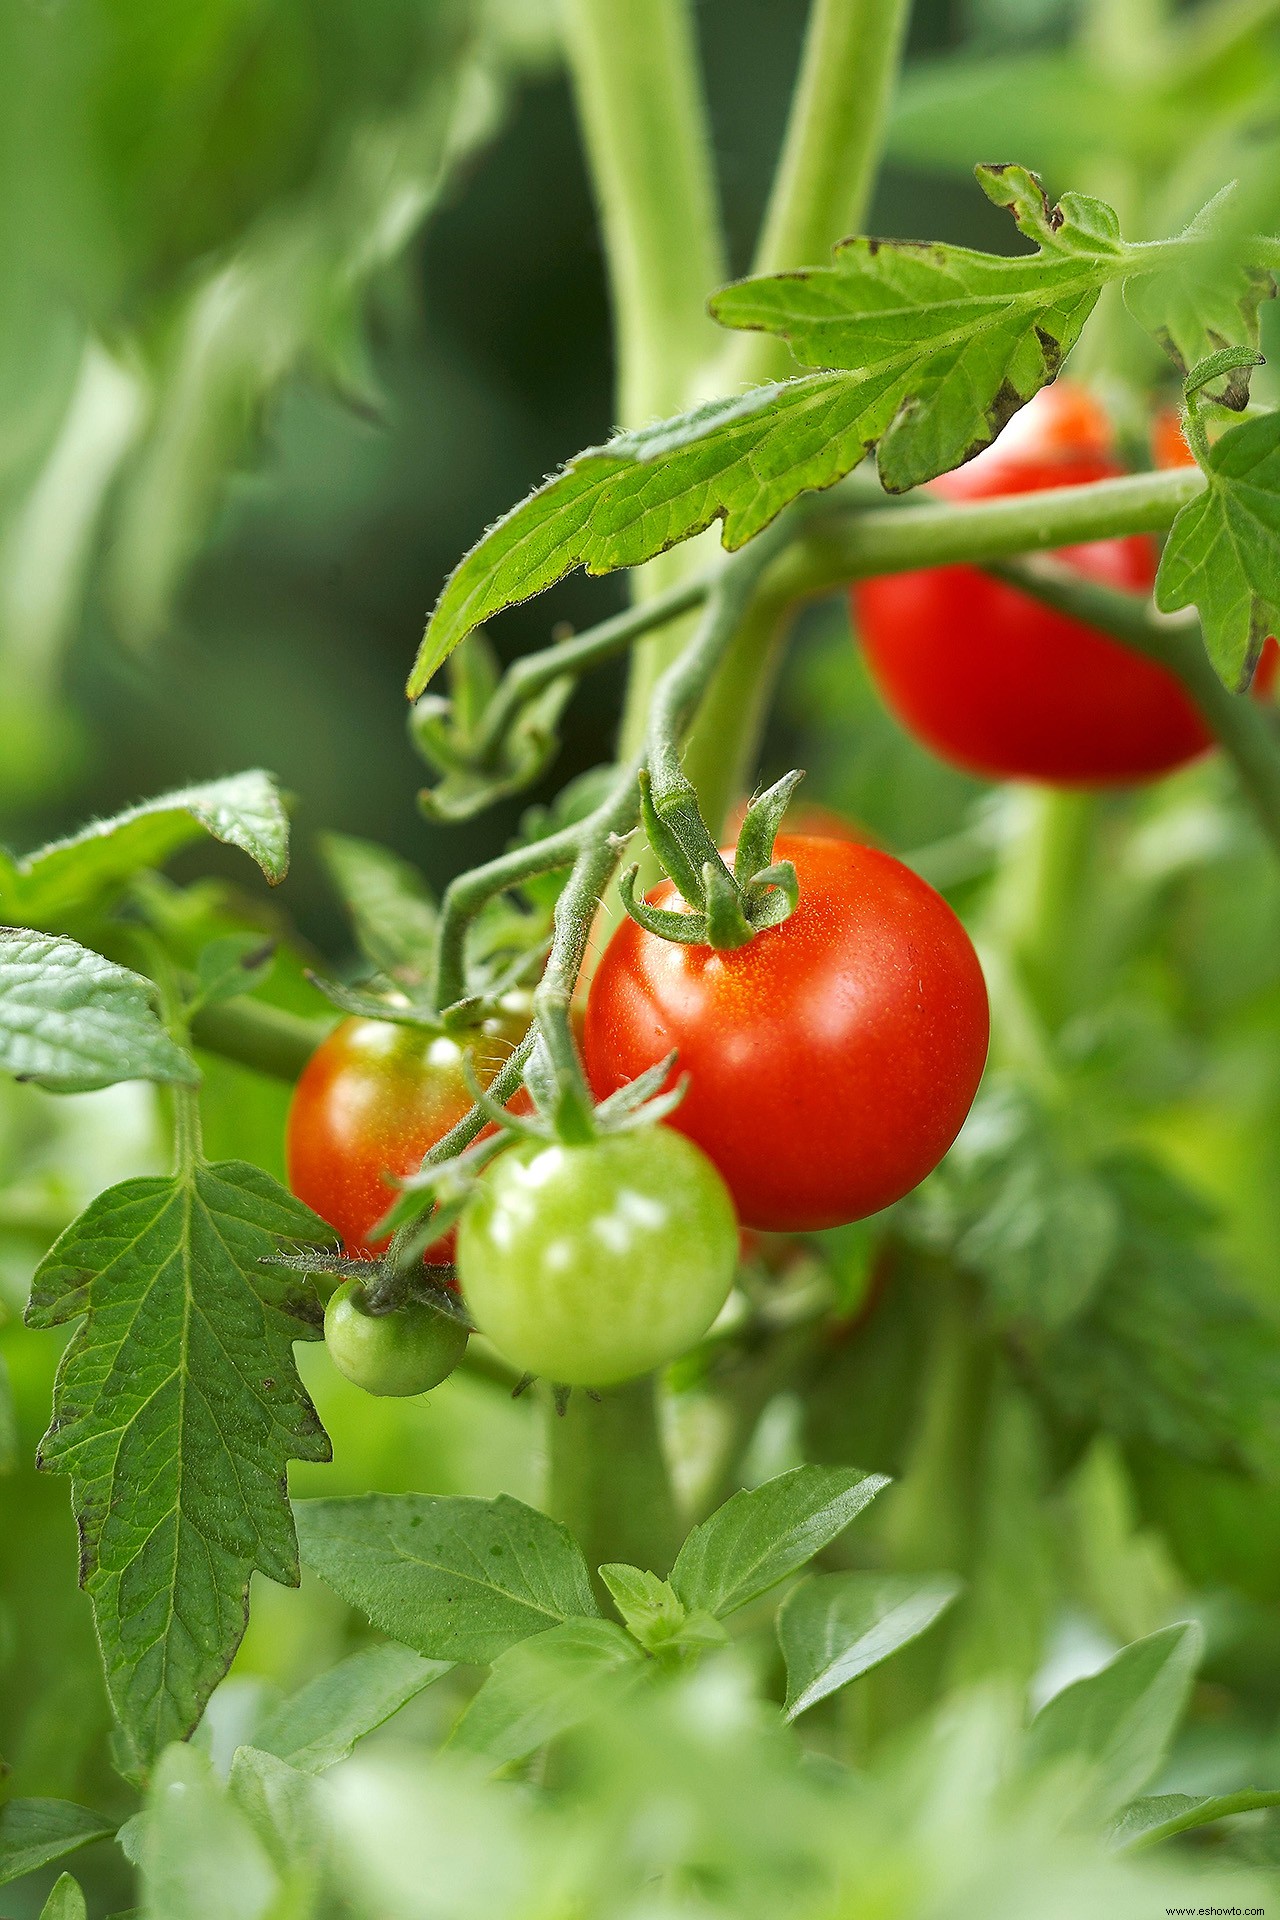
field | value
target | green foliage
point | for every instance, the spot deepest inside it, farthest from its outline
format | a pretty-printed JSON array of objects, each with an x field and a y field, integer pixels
[
  {"x": 201, "y": 1856},
  {"x": 65, "y": 1902},
  {"x": 761, "y": 1833},
  {"x": 319, "y": 1725},
  {"x": 176, "y": 1409},
  {"x": 1114, "y": 1728},
  {"x": 71, "y": 1021},
  {"x": 1162, "y": 1815},
  {"x": 1223, "y": 554},
  {"x": 1169, "y": 1353},
  {"x": 33, "y": 1833},
  {"x": 925, "y": 351},
  {"x": 542, "y": 1687},
  {"x": 392, "y": 912},
  {"x": 765, "y": 1533},
  {"x": 457, "y": 1579},
  {"x": 834, "y": 1627},
  {"x": 1102, "y": 1271}
]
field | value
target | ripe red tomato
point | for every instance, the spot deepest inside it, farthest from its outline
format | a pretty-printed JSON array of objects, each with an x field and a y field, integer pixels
[
  {"x": 995, "y": 682},
  {"x": 831, "y": 1061},
  {"x": 371, "y": 1100}
]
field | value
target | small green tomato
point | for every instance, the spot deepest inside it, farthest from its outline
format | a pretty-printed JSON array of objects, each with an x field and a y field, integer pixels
[
  {"x": 400, "y": 1353},
  {"x": 591, "y": 1264}
]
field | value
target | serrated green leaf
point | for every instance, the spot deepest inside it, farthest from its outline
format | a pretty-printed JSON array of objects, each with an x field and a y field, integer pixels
[
  {"x": 955, "y": 340},
  {"x": 319, "y": 1725},
  {"x": 1014, "y": 1206},
  {"x": 1223, "y": 551},
  {"x": 176, "y": 1410},
  {"x": 72, "y": 1021},
  {"x": 65, "y": 1902},
  {"x": 201, "y": 1859},
  {"x": 835, "y": 1626},
  {"x": 76, "y": 875},
  {"x": 392, "y": 912},
  {"x": 1116, "y": 1725},
  {"x": 458, "y": 1579},
  {"x": 1166, "y": 1353},
  {"x": 34, "y": 1833},
  {"x": 544, "y": 1686},
  {"x": 764, "y": 1533},
  {"x": 1208, "y": 302}
]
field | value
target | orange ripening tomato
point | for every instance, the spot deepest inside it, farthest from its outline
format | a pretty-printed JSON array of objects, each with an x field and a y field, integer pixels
[
  {"x": 372, "y": 1099},
  {"x": 998, "y": 683},
  {"x": 831, "y": 1060}
]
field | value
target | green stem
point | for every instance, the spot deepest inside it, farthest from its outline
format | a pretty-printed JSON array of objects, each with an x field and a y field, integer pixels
[
  {"x": 639, "y": 94},
  {"x": 260, "y": 1036},
  {"x": 188, "y": 1139},
  {"x": 723, "y": 744},
  {"x": 608, "y": 1479},
  {"x": 827, "y": 169},
  {"x": 639, "y": 97},
  {"x": 854, "y": 546},
  {"x": 527, "y": 676},
  {"x": 821, "y": 191},
  {"x": 1034, "y": 910}
]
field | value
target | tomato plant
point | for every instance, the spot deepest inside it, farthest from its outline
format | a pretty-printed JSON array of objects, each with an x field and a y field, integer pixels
[
  {"x": 1007, "y": 688},
  {"x": 787, "y": 1327},
  {"x": 831, "y": 1061},
  {"x": 404, "y": 1352},
  {"x": 370, "y": 1102},
  {"x": 594, "y": 1263}
]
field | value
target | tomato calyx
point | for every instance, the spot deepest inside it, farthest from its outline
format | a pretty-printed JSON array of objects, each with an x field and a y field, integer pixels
[
  {"x": 384, "y": 1285},
  {"x": 724, "y": 909}
]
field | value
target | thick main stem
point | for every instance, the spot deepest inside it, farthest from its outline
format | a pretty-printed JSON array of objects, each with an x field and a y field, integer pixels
[
  {"x": 639, "y": 95},
  {"x": 608, "y": 1478},
  {"x": 830, "y": 155},
  {"x": 639, "y": 98}
]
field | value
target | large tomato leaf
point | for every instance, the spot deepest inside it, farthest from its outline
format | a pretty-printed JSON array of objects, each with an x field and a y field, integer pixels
[
  {"x": 176, "y": 1410},
  {"x": 75, "y": 875},
  {"x": 925, "y": 349}
]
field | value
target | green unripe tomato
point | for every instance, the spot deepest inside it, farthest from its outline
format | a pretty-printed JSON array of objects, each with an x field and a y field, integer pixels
[
  {"x": 591, "y": 1264},
  {"x": 392, "y": 1354}
]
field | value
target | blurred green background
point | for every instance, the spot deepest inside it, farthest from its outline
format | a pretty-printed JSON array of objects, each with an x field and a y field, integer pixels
[{"x": 297, "y": 298}]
